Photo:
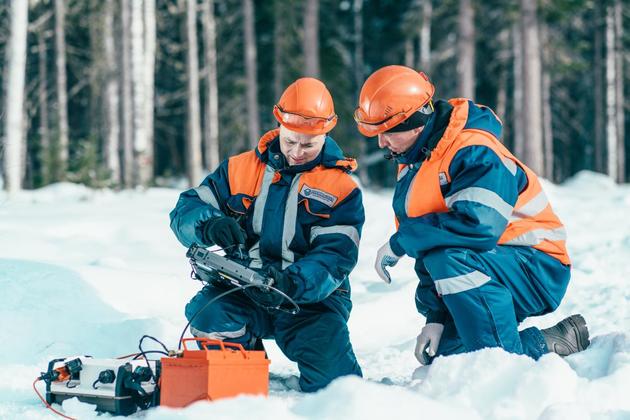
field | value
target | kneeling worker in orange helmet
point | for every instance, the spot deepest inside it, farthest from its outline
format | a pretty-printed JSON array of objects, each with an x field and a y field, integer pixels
[
  {"x": 489, "y": 249},
  {"x": 293, "y": 207}
]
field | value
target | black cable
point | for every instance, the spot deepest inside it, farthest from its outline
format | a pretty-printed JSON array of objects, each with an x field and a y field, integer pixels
[
  {"x": 137, "y": 356},
  {"x": 235, "y": 289}
]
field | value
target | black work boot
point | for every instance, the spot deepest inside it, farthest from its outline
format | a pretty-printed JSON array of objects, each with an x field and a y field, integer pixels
[{"x": 568, "y": 336}]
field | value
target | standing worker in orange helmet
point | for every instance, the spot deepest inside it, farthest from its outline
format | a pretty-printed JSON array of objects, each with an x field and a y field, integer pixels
[
  {"x": 489, "y": 249},
  {"x": 294, "y": 210}
]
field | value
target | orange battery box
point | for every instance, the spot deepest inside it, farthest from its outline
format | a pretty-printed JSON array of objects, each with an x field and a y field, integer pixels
[{"x": 210, "y": 374}]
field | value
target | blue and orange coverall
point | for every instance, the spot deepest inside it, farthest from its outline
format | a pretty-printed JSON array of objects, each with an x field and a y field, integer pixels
[
  {"x": 489, "y": 249},
  {"x": 305, "y": 219}
]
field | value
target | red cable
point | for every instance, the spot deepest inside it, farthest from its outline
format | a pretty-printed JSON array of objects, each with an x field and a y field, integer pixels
[{"x": 46, "y": 403}]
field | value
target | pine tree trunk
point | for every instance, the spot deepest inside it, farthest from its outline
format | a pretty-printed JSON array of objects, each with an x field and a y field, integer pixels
[
  {"x": 311, "y": 38},
  {"x": 193, "y": 143},
  {"x": 42, "y": 93},
  {"x": 548, "y": 155},
  {"x": 409, "y": 55},
  {"x": 62, "y": 93},
  {"x": 425, "y": 36},
  {"x": 518, "y": 136},
  {"x": 612, "y": 138},
  {"x": 279, "y": 45},
  {"x": 466, "y": 47},
  {"x": 619, "y": 94},
  {"x": 253, "y": 125},
  {"x": 14, "y": 143},
  {"x": 127, "y": 95},
  {"x": 112, "y": 96},
  {"x": 532, "y": 86},
  {"x": 359, "y": 65},
  {"x": 598, "y": 90},
  {"x": 212, "y": 93}
]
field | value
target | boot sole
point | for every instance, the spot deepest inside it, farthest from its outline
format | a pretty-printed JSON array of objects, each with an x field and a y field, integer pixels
[{"x": 581, "y": 330}]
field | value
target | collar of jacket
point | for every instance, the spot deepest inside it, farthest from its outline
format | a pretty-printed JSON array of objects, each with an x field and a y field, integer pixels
[
  {"x": 331, "y": 155},
  {"x": 430, "y": 136}
]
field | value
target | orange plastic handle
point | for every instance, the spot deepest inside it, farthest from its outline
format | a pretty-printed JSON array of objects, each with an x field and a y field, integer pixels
[{"x": 205, "y": 342}]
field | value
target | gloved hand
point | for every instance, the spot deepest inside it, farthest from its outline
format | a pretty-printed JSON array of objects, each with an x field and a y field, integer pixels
[
  {"x": 428, "y": 342},
  {"x": 385, "y": 257},
  {"x": 225, "y": 232},
  {"x": 281, "y": 280}
]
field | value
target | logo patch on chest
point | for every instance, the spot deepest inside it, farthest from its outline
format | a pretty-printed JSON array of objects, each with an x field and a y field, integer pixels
[
  {"x": 443, "y": 178},
  {"x": 319, "y": 195}
]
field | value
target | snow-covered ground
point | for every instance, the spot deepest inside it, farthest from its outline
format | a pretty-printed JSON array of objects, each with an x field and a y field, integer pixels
[{"x": 90, "y": 272}]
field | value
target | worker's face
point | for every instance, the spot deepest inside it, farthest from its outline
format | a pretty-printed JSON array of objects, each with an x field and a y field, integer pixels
[
  {"x": 299, "y": 148},
  {"x": 399, "y": 142}
]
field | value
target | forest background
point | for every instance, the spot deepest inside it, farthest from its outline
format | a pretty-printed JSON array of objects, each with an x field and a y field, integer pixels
[{"x": 128, "y": 93}]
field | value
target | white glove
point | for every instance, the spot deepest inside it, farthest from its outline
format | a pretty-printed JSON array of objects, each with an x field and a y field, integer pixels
[
  {"x": 385, "y": 257},
  {"x": 428, "y": 342}
]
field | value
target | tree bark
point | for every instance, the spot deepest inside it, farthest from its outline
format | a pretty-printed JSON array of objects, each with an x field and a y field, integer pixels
[
  {"x": 466, "y": 47},
  {"x": 546, "y": 102},
  {"x": 62, "y": 92},
  {"x": 42, "y": 93},
  {"x": 359, "y": 64},
  {"x": 146, "y": 157},
  {"x": 425, "y": 36},
  {"x": 517, "y": 104},
  {"x": 532, "y": 95},
  {"x": 14, "y": 106},
  {"x": 311, "y": 38},
  {"x": 598, "y": 90},
  {"x": 279, "y": 45},
  {"x": 253, "y": 125},
  {"x": 193, "y": 143},
  {"x": 127, "y": 95},
  {"x": 619, "y": 94},
  {"x": 212, "y": 93},
  {"x": 112, "y": 96},
  {"x": 612, "y": 134},
  {"x": 138, "y": 90}
]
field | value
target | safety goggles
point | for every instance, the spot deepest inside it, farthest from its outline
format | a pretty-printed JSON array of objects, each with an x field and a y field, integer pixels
[
  {"x": 291, "y": 119},
  {"x": 372, "y": 129}
]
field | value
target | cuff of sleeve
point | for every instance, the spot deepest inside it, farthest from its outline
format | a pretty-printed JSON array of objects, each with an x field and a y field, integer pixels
[
  {"x": 437, "y": 317},
  {"x": 395, "y": 246}
]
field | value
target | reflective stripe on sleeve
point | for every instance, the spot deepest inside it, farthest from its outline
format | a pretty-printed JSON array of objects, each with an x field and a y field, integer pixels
[
  {"x": 482, "y": 196},
  {"x": 510, "y": 165},
  {"x": 254, "y": 255},
  {"x": 457, "y": 284},
  {"x": 536, "y": 236},
  {"x": 219, "y": 335},
  {"x": 350, "y": 231},
  {"x": 207, "y": 196}
]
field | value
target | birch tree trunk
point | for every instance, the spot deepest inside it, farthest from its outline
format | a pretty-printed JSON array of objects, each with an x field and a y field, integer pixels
[
  {"x": 127, "y": 95},
  {"x": 42, "y": 93},
  {"x": 311, "y": 38},
  {"x": 612, "y": 134},
  {"x": 598, "y": 90},
  {"x": 517, "y": 104},
  {"x": 138, "y": 91},
  {"x": 548, "y": 155},
  {"x": 466, "y": 47},
  {"x": 425, "y": 36},
  {"x": 409, "y": 55},
  {"x": 146, "y": 159},
  {"x": 14, "y": 106},
  {"x": 619, "y": 94},
  {"x": 253, "y": 125},
  {"x": 62, "y": 93},
  {"x": 532, "y": 95},
  {"x": 112, "y": 98},
  {"x": 193, "y": 141},
  {"x": 212, "y": 94}
]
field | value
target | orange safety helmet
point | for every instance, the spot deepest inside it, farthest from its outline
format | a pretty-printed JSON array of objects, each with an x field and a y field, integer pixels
[
  {"x": 306, "y": 106},
  {"x": 390, "y": 96}
]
